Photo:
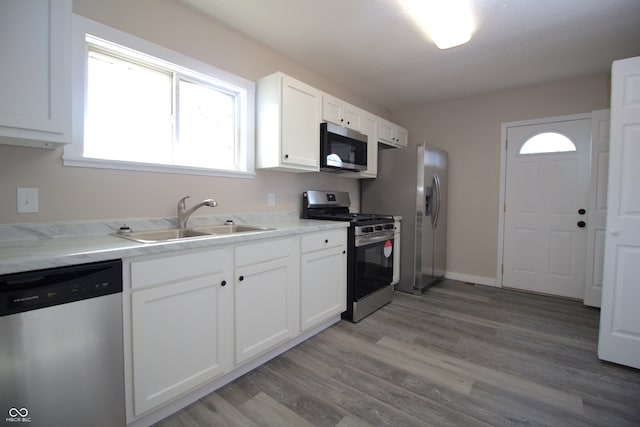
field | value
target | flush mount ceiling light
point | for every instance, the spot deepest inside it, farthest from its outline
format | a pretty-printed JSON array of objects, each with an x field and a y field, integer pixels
[{"x": 449, "y": 23}]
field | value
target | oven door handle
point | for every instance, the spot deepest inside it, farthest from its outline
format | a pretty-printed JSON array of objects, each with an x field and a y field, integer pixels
[{"x": 368, "y": 240}]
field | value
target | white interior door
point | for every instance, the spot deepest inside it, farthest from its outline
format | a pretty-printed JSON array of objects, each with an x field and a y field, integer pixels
[
  {"x": 620, "y": 316},
  {"x": 545, "y": 237}
]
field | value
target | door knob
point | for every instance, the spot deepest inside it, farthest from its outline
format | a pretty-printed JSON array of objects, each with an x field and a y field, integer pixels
[
  {"x": 582, "y": 211},
  {"x": 581, "y": 224}
]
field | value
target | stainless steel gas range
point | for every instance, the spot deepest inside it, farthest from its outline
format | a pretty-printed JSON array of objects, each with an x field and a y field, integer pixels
[{"x": 369, "y": 253}]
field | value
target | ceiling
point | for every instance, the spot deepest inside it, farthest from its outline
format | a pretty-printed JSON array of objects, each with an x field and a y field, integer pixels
[{"x": 373, "y": 47}]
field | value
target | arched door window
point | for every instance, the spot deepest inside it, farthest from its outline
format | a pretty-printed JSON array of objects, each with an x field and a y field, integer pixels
[{"x": 547, "y": 142}]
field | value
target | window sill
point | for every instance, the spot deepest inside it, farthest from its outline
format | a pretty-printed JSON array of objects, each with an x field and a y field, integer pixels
[{"x": 84, "y": 162}]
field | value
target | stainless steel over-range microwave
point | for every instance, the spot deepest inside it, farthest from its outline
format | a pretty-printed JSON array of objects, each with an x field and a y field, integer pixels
[{"x": 342, "y": 149}]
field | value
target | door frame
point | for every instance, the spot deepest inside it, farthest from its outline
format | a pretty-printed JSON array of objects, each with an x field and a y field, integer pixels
[
  {"x": 598, "y": 190},
  {"x": 503, "y": 176}
]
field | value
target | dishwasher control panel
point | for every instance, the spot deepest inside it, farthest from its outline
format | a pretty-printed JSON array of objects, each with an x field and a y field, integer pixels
[{"x": 38, "y": 289}]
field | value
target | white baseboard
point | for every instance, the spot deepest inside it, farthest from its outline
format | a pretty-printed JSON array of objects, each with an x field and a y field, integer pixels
[{"x": 488, "y": 281}]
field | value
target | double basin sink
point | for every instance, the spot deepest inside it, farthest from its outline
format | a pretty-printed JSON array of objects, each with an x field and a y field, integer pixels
[{"x": 172, "y": 234}]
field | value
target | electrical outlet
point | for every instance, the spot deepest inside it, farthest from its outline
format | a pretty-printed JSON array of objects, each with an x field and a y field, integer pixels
[
  {"x": 28, "y": 200},
  {"x": 271, "y": 199}
]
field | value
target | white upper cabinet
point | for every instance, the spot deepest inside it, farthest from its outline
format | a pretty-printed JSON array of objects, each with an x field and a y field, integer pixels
[
  {"x": 392, "y": 134},
  {"x": 288, "y": 131},
  {"x": 337, "y": 111},
  {"x": 402, "y": 136},
  {"x": 35, "y": 76},
  {"x": 289, "y": 113}
]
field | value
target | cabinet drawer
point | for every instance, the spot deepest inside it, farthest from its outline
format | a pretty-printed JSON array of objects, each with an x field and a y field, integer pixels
[
  {"x": 171, "y": 268},
  {"x": 255, "y": 253},
  {"x": 323, "y": 240}
]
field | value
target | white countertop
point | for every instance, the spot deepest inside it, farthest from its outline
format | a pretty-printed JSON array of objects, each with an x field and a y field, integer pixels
[{"x": 27, "y": 247}]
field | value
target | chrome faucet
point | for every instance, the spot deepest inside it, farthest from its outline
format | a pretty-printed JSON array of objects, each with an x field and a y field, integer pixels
[{"x": 184, "y": 213}]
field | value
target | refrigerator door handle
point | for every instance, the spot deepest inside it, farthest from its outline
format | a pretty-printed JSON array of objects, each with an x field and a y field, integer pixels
[
  {"x": 436, "y": 190},
  {"x": 434, "y": 203}
]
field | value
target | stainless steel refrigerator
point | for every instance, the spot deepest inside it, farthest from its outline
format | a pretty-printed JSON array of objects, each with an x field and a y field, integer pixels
[{"x": 412, "y": 183}]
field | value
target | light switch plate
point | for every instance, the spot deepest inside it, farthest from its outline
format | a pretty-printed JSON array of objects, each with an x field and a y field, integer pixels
[
  {"x": 28, "y": 200},
  {"x": 271, "y": 199}
]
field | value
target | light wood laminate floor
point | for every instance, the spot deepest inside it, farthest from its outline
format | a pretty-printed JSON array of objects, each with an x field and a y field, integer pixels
[{"x": 460, "y": 355}]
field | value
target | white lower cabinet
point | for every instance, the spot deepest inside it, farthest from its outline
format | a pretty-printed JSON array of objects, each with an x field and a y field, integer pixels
[
  {"x": 182, "y": 330},
  {"x": 191, "y": 318},
  {"x": 265, "y": 296},
  {"x": 323, "y": 271}
]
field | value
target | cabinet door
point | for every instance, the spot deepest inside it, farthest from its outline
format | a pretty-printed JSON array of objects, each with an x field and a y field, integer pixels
[
  {"x": 182, "y": 334},
  {"x": 301, "y": 106},
  {"x": 352, "y": 117},
  {"x": 263, "y": 307},
  {"x": 337, "y": 111},
  {"x": 35, "y": 107},
  {"x": 402, "y": 136},
  {"x": 392, "y": 134},
  {"x": 386, "y": 131},
  {"x": 332, "y": 109},
  {"x": 323, "y": 292}
]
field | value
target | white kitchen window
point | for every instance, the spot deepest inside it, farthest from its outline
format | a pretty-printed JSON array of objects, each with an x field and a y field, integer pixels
[{"x": 140, "y": 106}]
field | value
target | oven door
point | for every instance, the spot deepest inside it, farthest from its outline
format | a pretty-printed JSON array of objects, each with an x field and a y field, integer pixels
[{"x": 373, "y": 263}]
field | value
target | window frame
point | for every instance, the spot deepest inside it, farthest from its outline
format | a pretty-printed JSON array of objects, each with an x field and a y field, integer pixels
[{"x": 188, "y": 69}]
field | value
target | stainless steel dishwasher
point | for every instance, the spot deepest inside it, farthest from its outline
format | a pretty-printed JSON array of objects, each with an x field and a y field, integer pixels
[{"x": 61, "y": 350}]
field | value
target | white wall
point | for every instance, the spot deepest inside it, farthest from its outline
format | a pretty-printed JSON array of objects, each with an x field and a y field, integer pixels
[
  {"x": 68, "y": 193},
  {"x": 469, "y": 129}
]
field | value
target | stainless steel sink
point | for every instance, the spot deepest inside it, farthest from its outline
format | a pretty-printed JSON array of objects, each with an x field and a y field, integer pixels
[
  {"x": 230, "y": 229},
  {"x": 206, "y": 232},
  {"x": 154, "y": 236}
]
